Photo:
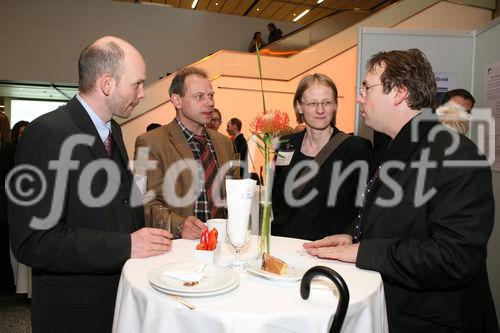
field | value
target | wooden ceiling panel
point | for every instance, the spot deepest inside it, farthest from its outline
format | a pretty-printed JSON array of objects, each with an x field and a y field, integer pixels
[
  {"x": 296, "y": 12},
  {"x": 336, "y": 4},
  {"x": 215, "y": 5},
  {"x": 229, "y": 6},
  {"x": 261, "y": 6},
  {"x": 272, "y": 9},
  {"x": 173, "y": 3},
  {"x": 276, "y": 10},
  {"x": 202, "y": 4},
  {"x": 315, "y": 15},
  {"x": 257, "y": 9},
  {"x": 356, "y": 4},
  {"x": 242, "y": 7},
  {"x": 185, "y": 4},
  {"x": 284, "y": 11},
  {"x": 367, "y": 5}
]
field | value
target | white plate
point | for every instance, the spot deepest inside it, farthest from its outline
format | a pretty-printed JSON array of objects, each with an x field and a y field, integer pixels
[
  {"x": 215, "y": 278},
  {"x": 292, "y": 274},
  {"x": 197, "y": 294}
]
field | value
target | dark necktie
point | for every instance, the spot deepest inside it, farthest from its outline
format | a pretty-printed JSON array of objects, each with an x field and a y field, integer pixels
[
  {"x": 357, "y": 222},
  {"x": 108, "y": 144},
  {"x": 209, "y": 165}
]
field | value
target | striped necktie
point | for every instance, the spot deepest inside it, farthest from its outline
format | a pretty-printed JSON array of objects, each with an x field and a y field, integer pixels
[{"x": 209, "y": 165}]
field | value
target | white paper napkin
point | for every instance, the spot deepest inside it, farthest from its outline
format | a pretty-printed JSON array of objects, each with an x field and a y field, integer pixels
[{"x": 187, "y": 272}]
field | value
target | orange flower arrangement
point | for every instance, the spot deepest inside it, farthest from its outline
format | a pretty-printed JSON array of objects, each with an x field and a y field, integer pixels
[
  {"x": 271, "y": 122},
  {"x": 267, "y": 127}
]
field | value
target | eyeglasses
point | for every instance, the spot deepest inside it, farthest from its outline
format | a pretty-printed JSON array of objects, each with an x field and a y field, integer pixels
[
  {"x": 326, "y": 105},
  {"x": 364, "y": 88},
  {"x": 215, "y": 120}
]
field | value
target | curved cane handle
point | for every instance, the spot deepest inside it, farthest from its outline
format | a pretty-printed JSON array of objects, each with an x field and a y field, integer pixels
[{"x": 305, "y": 289}]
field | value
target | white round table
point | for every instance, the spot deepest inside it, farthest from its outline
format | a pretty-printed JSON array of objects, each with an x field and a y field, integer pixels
[{"x": 257, "y": 305}]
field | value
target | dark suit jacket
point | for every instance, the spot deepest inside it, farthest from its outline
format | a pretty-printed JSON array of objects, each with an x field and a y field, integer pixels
[
  {"x": 432, "y": 256},
  {"x": 241, "y": 147},
  {"x": 318, "y": 219},
  {"x": 77, "y": 262}
]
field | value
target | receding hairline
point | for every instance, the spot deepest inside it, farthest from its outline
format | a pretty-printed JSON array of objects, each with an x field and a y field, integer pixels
[{"x": 126, "y": 47}]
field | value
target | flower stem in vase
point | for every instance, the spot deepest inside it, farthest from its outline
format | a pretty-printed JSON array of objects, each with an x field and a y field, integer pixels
[{"x": 264, "y": 241}]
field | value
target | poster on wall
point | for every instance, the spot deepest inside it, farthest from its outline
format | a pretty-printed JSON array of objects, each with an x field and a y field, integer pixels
[
  {"x": 492, "y": 101},
  {"x": 445, "y": 81}
]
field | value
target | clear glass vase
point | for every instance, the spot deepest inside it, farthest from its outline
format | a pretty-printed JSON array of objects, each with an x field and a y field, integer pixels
[{"x": 265, "y": 216}]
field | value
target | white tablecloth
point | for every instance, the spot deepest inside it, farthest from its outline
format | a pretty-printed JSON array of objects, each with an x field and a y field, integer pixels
[{"x": 257, "y": 305}]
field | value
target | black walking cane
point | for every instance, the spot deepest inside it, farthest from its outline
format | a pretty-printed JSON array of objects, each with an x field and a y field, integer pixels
[{"x": 305, "y": 289}]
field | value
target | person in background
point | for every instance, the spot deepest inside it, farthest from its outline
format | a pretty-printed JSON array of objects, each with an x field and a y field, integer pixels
[
  {"x": 233, "y": 128},
  {"x": 76, "y": 241},
  {"x": 315, "y": 104},
  {"x": 461, "y": 97},
  {"x": 187, "y": 138},
  {"x": 8, "y": 150},
  {"x": 425, "y": 230},
  {"x": 6, "y": 277},
  {"x": 255, "y": 42},
  {"x": 4, "y": 128},
  {"x": 216, "y": 120},
  {"x": 455, "y": 110},
  {"x": 454, "y": 116},
  {"x": 152, "y": 126},
  {"x": 7, "y": 161},
  {"x": 274, "y": 33}
]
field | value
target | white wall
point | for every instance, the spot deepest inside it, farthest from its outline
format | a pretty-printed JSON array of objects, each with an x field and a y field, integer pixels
[
  {"x": 41, "y": 40},
  {"x": 488, "y": 52}
]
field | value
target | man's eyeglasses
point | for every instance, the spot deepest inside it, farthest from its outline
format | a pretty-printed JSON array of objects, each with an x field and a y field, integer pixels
[
  {"x": 326, "y": 105},
  {"x": 364, "y": 88}
]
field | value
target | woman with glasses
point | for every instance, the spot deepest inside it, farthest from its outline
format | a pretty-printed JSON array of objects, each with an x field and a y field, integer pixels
[{"x": 314, "y": 194}]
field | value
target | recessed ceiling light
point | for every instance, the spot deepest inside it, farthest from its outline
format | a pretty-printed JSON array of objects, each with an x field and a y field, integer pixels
[
  {"x": 258, "y": 9},
  {"x": 193, "y": 5},
  {"x": 301, "y": 15},
  {"x": 294, "y": 14},
  {"x": 216, "y": 3}
]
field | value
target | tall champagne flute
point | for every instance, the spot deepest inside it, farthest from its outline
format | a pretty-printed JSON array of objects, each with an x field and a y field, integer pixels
[{"x": 238, "y": 230}]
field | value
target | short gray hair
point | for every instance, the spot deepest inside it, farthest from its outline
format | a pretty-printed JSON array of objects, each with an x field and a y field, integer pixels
[
  {"x": 177, "y": 85},
  {"x": 96, "y": 60}
]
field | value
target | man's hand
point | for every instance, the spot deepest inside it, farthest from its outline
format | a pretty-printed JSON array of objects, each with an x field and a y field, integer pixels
[
  {"x": 335, "y": 240},
  {"x": 148, "y": 242},
  {"x": 346, "y": 252},
  {"x": 192, "y": 228}
]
